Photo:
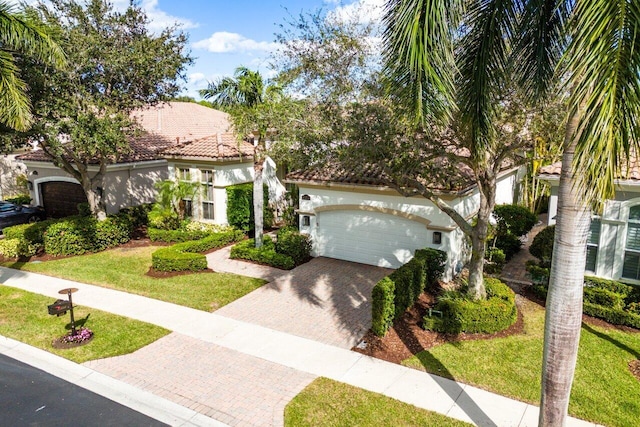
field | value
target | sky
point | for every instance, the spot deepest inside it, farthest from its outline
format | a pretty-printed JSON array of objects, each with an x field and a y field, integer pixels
[{"x": 224, "y": 34}]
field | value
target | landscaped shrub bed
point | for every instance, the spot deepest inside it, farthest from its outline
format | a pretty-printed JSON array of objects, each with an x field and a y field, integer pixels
[
  {"x": 175, "y": 236},
  {"x": 393, "y": 295},
  {"x": 461, "y": 314},
  {"x": 614, "y": 302},
  {"x": 185, "y": 256},
  {"x": 265, "y": 255},
  {"x": 542, "y": 245},
  {"x": 32, "y": 233},
  {"x": 79, "y": 235},
  {"x": 14, "y": 248},
  {"x": 138, "y": 215}
]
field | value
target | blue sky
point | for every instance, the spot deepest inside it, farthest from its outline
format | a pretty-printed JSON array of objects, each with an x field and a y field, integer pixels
[{"x": 224, "y": 34}]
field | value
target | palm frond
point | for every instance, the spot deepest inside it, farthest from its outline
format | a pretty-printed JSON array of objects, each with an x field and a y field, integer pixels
[
  {"x": 604, "y": 59},
  {"x": 15, "y": 107},
  {"x": 418, "y": 45},
  {"x": 541, "y": 40},
  {"x": 483, "y": 57}
]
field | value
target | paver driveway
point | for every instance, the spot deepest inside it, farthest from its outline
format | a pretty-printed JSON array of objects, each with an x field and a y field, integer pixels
[{"x": 326, "y": 300}]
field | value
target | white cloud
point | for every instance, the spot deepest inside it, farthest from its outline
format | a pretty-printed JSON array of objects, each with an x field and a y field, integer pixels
[
  {"x": 362, "y": 10},
  {"x": 159, "y": 19},
  {"x": 225, "y": 42}
]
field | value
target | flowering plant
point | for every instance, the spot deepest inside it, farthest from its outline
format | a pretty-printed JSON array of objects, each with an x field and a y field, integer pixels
[{"x": 82, "y": 335}]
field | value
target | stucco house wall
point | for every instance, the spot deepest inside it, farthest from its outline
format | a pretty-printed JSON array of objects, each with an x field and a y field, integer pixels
[{"x": 435, "y": 228}]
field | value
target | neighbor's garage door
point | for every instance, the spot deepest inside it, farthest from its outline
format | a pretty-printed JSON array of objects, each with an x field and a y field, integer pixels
[
  {"x": 61, "y": 199},
  {"x": 368, "y": 237}
]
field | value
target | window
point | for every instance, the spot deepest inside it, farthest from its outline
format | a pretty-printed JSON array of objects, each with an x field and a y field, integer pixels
[
  {"x": 631, "y": 265},
  {"x": 437, "y": 238},
  {"x": 183, "y": 174},
  {"x": 306, "y": 221},
  {"x": 207, "y": 194},
  {"x": 592, "y": 244},
  {"x": 306, "y": 197}
]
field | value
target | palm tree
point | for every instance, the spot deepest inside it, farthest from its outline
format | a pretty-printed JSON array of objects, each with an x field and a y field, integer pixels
[
  {"x": 21, "y": 34},
  {"x": 244, "y": 96},
  {"x": 595, "y": 42}
]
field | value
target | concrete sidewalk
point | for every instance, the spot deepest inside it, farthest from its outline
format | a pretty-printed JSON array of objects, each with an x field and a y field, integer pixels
[{"x": 309, "y": 358}]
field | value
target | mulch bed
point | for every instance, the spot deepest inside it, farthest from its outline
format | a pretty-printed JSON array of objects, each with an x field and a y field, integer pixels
[
  {"x": 634, "y": 367},
  {"x": 63, "y": 345},
  {"x": 407, "y": 338}
]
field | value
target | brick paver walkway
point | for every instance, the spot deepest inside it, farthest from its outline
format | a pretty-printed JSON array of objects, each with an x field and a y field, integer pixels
[
  {"x": 232, "y": 387},
  {"x": 326, "y": 300},
  {"x": 219, "y": 261},
  {"x": 515, "y": 271}
]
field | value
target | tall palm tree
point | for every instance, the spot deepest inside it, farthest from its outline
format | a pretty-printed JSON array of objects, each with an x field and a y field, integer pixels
[
  {"x": 595, "y": 42},
  {"x": 21, "y": 34},
  {"x": 243, "y": 96}
]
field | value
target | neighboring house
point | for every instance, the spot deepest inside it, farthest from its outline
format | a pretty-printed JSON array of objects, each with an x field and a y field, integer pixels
[
  {"x": 131, "y": 180},
  {"x": 613, "y": 247},
  {"x": 217, "y": 162},
  {"x": 352, "y": 215}
]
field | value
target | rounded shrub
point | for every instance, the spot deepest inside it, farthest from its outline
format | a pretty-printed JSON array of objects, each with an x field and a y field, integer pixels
[
  {"x": 542, "y": 245},
  {"x": 382, "y": 307},
  {"x": 514, "y": 219},
  {"x": 496, "y": 260},
  {"x": 169, "y": 259},
  {"x": 72, "y": 236},
  {"x": 461, "y": 314},
  {"x": 508, "y": 244},
  {"x": 294, "y": 244}
]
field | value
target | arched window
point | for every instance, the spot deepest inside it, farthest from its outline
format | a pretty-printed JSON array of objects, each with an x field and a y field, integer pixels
[{"x": 631, "y": 266}]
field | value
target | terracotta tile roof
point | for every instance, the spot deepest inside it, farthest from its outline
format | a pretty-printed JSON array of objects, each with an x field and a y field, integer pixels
[
  {"x": 164, "y": 125},
  {"x": 218, "y": 146},
  {"x": 633, "y": 173},
  {"x": 184, "y": 120},
  {"x": 373, "y": 175}
]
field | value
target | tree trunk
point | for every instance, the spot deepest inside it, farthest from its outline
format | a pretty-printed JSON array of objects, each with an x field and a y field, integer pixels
[
  {"x": 564, "y": 300},
  {"x": 258, "y": 202},
  {"x": 96, "y": 203}
]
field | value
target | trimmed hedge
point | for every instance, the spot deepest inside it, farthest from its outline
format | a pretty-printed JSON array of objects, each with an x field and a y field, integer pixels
[
  {"x": 382, "y": 307},
  {"x": 461, "y": 314},
  {"x": 32, "y": 233},
  {"x": 175, "y": 236},
  {"x": 138, "y": 215},
  {"x": 265, "y": 255},
  {"x": 435, "y": 261},
  {"x": 515, "y": 220},
  {"x": 393, "y": 295},
  {"x": 612, "y": 315},
  {"x": 542, "y": 245},
  {"x": 14, "y": 248},
  {"x": 185, "y": 256}
]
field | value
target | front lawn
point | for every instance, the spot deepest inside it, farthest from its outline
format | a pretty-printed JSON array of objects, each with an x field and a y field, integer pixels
[
  {"x": 330, "y": 403},
  {"x": 24, "y": 317},
  {"x": 604, "y": 390},
  {"x": 124, "y": 269}
]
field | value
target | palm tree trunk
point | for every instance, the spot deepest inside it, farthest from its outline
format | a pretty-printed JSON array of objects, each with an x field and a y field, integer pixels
[
  {"x": 564, "y": 300},
  {"x": 258, "y": 202}
]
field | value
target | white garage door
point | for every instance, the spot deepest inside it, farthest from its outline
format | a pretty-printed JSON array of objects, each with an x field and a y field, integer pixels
[{"x": 368, "y": 237}]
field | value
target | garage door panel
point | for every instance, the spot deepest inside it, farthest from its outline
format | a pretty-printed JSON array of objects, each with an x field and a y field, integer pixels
[
  {"x": 368, "y": 237},
  {"x": 61, "y": 198}
]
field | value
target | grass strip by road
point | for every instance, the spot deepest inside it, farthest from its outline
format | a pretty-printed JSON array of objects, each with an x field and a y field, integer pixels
[
  {"x": 124, "y": 269},
  {"x": 604, "y": 390},
  {"x": 24, "y": 317},
  {"x": 325, "y": 402}
]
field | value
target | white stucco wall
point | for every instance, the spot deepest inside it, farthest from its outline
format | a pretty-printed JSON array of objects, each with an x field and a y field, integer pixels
[
  {"x": 10, "y": 169},
  {"x": 124, "y": 184}
]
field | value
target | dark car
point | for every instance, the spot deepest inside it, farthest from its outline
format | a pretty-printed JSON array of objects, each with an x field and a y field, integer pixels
[{"x": 12, "y": 214}]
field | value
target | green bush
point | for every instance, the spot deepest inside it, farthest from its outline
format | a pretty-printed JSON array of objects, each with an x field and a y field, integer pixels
[
  {"x": 78, "y": 235},
  {"x": 604, "y": 297},
  {"x": 20, "y": 199},
  {"x": 496, "y": 261},
  {"x": 138, "y": 215},
  {"x": 265, "y": 255},
  {"x": 612, "y": 315},
  {"x": 294, "y": 244},
  {"x": 514, "y": 219},
  {"x": 185, "y": 256},
  {"x": 538, "y": 275},
  {"x": 14, "y": 248},
  {"x": 508, "y": 244},
  {"x": 32, "y": 233},
  {"x": 610, "y": 285},
  {"x": 435, "y": 261},
  {"x": 542, "y": 245},
  {"x": 163, "y": 218},
  {"x": 84, "y": 209},
  {"x": 461, "y": 314},
  {"x": 240, "y": 207},
  {"x": 382, "y": 307}
]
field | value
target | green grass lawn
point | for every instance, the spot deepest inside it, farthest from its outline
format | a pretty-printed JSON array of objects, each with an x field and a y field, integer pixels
[
  {"x": 330, "y": 403},
  {"x": 124, "y": 269},
  {"x": 604, "y": 390},
  {"x": 24, "y": 317}
]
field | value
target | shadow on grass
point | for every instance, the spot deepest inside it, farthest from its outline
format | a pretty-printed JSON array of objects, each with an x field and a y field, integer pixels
[
  {"x": 621, "y": 346},
  {"x": 79, "y": 322},
  {"x": 445, "y": 379}
]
